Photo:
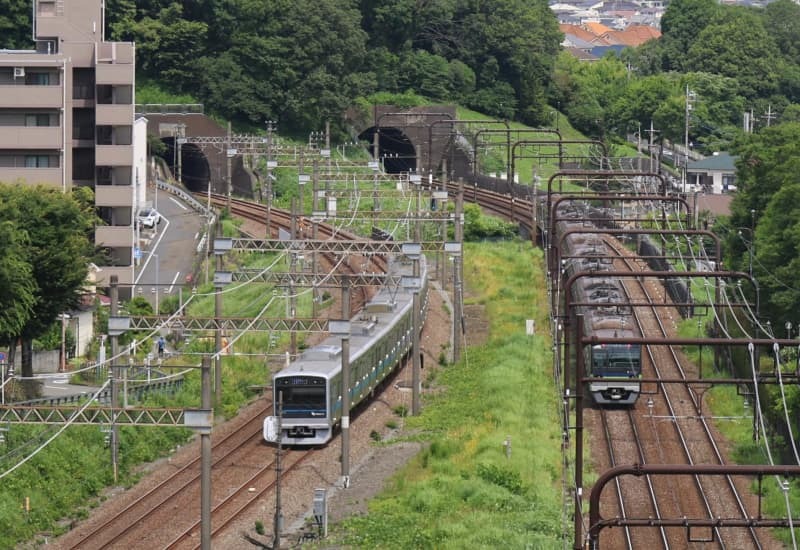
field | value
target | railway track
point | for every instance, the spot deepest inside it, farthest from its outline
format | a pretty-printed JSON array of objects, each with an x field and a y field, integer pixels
[
  {"x": 129, "y": 526},
  {"x": 257, "y": 215},
  {"x": 669, "y": 426},
  {"x": 241, "y": 476}
]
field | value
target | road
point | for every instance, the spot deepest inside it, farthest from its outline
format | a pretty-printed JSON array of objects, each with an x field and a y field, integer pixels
[{"x": 167, "y": 251}]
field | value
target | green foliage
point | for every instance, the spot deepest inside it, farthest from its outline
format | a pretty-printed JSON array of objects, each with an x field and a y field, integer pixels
[
  {"x": 478, "y": 227},
  {"x": 15, "y": 24},
  {"x": 463, "y": 478},
  {"x": 151, "y": 91},
  {"x": 47, "y": 237},
  {"x": 737, "y": 45},
  {"x": 17, "y": 287},
  {"x": 79, "y": 453},
  {"x": 503, "y": 477}
]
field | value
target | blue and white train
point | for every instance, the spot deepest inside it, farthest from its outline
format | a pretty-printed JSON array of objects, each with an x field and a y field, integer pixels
[
  {"x": 381, "y": 337},
  {"x": 607, "y": 314}
]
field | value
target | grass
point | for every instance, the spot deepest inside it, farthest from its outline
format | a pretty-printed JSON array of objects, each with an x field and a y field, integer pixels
[
  {"x": 464, "y": 490},
  {"x": 733, "y": 416}
]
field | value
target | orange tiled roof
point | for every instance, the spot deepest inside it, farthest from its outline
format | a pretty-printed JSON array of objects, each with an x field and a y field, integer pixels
[
  {"x": 635, "y": 35},
  {"x": 598, "y": 29},
  {"x": 577, "y": 31},
  {"x": 644, "y": 32}
]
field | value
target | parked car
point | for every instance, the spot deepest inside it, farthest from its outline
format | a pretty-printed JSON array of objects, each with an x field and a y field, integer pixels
[{"x": 148, "y": 217}]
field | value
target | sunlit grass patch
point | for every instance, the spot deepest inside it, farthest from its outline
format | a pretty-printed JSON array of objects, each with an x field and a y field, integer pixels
[{"x": 494, "y": 456}]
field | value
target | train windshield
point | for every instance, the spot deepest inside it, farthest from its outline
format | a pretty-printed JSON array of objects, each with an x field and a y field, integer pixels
[
  {"x": 303, "y": 396},
  {"x": 616, "y": 360}
]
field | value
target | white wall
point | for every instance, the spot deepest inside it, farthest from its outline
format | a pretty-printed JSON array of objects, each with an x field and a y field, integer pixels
[{"x": 139, "y": 162}]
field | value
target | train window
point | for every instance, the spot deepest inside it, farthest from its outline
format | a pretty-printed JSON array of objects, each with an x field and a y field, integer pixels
[{"x": 303, "y": 396}]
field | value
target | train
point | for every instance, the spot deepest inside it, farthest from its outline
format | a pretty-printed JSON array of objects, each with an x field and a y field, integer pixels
[
  {"x": 308, "y": 391},
  {"x": 605, "y": 309}
]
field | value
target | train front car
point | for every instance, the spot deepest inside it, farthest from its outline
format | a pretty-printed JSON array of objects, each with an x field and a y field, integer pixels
[
  {"x": 301, "y": 391},
  {"x": 618, "y": 364},
  {"x": 312, "y": 386}
]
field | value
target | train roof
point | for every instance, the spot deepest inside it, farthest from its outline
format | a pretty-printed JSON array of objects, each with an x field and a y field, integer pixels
[{"x": 324, "y": 359}]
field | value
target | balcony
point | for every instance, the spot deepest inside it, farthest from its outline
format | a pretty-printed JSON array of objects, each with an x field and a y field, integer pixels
[
  {"x": 32, "y": 176},
  {"x": 114, "y": 155},
  {"x": 31, "y": 137},
  {"x": 114, "y": 115},
  {"x": 113, "y": 195},
  {"x": 120, "y": 53},
  {"x": 114, "y": 74},
  {"x": 114, "y": 236},
  {"x": 37, "y": 97}
]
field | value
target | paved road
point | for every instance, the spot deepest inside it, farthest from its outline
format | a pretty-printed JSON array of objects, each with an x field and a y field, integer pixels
[
  {"x": 168, "y": 251},
  {"x": 58, "y": 386}
]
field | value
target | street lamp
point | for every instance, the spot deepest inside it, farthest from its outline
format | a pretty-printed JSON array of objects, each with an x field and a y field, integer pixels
[
  {"x": 750, "y": 246},
  {"x": 690, "y": 97}
]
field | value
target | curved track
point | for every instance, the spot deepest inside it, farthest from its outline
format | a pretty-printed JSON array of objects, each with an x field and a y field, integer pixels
[{"x": 241, "y": 476}]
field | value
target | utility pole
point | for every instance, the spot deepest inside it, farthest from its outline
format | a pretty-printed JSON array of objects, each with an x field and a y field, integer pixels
[
  {"x": 270, "y": 166},
  {"x": 768, "y": 116},
  {"x": 291, "y": 300},
  {"x": 229, "y": 153},
  {"x": 205, "y": 459},
  {"x": 114, "y": 371},
  {"x": 650, "y": 147},
  {"x": 345, "y": 409},
  {"x": 457, "y": 261},
  {"x": 684, "y": 174},
  {"x": 218, "y": 333},
  {"x": 180, "y": 141},
  {"x": 276, "y": 543}
]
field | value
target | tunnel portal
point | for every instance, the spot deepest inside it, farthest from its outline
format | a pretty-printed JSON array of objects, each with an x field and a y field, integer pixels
[
  {"x": 397, "y": 153},
  {"x": 195, "y": 169}
]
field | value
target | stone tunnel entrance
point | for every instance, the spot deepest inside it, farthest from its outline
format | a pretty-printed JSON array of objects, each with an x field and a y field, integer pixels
[
  {"x": 195, "y": 169},
  {"x": 396, "y": 151}
]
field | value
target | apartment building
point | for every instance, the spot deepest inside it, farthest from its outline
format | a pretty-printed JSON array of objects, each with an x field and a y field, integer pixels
[{"x": 66, "y": 119}]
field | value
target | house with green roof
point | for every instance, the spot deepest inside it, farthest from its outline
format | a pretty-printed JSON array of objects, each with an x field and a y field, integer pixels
[{"x": 715, "y": 174}]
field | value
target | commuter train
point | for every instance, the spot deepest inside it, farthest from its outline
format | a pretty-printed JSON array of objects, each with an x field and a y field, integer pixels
[
  {"x": 605, "y": 309},
  {"x": 381, "y": 337}
]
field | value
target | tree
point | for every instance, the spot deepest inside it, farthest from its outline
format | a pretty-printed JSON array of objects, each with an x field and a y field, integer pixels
[
  {"x": 56, "y": 229},
  {"x": 168, "y": 47},
  {"x": 778, "y": 253},
  {"x": 769, "y": 197},
  {"x": 782, "y": 18},
  {"x": 15, "y": 24},
  {"x": 16, "y": 282},
  {"x": 522, "y": 37},
  {"x": 737, "y": 45},
  {"x": 298, "y": 62},
  {"x": 681, "y": 25}
]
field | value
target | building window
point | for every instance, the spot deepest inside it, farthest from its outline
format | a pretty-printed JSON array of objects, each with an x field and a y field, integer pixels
[
  {"x": 37, "y": 161},
  {"x": 37, "y": 79},
  {"x": 37, "y": 120}
]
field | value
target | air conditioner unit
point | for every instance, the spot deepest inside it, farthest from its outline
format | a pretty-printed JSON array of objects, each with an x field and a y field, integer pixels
[{"x": 19, "y": 72}]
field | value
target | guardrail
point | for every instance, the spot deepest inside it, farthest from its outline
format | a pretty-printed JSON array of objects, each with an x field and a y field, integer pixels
[
  {"x": 168, "y": 108},
  {"x": 137, "y": 390},
  {"x": 187, "y": 198}
]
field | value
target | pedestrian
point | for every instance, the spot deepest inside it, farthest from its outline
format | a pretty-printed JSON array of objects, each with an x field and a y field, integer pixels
[{"x": 161, "y": 345}]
